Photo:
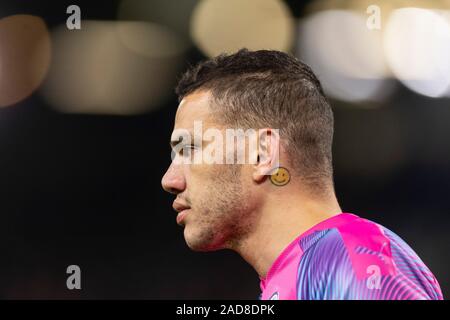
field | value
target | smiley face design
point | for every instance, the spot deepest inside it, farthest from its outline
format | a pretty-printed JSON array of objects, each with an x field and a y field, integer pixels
[{"x": 280, "y": 177}]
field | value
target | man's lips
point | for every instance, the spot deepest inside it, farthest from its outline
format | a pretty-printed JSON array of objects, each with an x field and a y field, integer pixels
[
  {"x": 181, "y": 215},
  {"x": 182, "y": 210}
]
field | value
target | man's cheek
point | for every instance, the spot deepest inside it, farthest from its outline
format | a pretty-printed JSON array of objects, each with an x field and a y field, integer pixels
[{"x": 204, "y": 172}]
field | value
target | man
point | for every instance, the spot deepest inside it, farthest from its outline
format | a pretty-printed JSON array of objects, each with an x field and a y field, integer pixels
[{"x": 278, "y": 210}]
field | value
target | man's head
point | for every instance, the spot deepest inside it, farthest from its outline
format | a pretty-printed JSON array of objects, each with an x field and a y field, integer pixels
[{"x": 265, "y": 90}]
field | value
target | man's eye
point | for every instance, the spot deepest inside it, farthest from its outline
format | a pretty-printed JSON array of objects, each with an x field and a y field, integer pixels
[{"x": 187, "y": 150}]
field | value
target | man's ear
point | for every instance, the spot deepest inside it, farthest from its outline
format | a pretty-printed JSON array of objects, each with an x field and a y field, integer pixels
[{"x": 268, "y": 153}]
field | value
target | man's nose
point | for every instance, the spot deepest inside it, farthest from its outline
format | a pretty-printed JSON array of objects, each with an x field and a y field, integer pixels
[{"x": 173, "y": 180}]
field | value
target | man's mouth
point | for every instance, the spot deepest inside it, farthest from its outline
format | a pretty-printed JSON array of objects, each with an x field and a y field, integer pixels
[
  {"x": 181, "y": 215},
  {"x": 182, "y": 210}
]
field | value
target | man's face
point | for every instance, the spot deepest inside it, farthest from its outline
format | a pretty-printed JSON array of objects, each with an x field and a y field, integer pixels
[{"x": 213, "y": 200}]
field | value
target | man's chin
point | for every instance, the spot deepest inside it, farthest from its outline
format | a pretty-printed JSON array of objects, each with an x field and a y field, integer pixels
[{"x": 198, "y": 243}]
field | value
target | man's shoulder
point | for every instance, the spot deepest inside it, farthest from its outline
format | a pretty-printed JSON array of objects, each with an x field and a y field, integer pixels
[
  {"x": 363, "y": 260},
  {"x": 355, "y": 234},
  {"x": 353, "y": 246}
]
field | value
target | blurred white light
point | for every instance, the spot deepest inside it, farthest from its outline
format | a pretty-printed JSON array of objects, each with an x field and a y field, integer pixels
[
  {"x": 24, "y": 57},
  {"x": 347, "y": 56},
  {"x": 219, "y": 26},
  {"x": 110, "y": 67},
  {"x": 417, "y": 46},
  {"x": 446, "y": 14}
]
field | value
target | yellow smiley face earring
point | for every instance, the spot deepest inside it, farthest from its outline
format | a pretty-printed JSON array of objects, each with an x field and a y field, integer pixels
[{"x": 280, "y": 176}]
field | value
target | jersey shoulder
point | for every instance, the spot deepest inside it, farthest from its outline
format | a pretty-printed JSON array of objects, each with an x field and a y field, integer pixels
[{"x": 362, "y": 260}]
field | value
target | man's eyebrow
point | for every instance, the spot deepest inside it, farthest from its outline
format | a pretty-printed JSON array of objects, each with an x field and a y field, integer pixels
[
  {"x": 174, "y": 142},
  {"x": 179, "y": 138}
]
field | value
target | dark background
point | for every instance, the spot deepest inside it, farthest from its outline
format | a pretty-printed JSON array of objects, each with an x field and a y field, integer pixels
[{"x": 85, "y": 190}]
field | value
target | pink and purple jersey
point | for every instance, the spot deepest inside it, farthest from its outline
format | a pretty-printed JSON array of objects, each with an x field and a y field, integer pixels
[{"x": 349, "y": 258}]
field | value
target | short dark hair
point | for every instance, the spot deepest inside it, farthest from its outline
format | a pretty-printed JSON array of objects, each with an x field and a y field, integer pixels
[{"x": 267, "y": 88}]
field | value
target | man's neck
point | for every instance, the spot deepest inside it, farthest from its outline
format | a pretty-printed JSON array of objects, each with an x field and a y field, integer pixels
[{"x": 282, "y": 219}]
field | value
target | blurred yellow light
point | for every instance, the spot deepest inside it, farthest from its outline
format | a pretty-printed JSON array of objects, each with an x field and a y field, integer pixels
[
  {"x": 149, "y": 39},
  {"x": 219, "y": 26},
  {"x": 25, "y": 54},
  {"x": 175, "y": 15},
  {"x": 110, "y": 67}
]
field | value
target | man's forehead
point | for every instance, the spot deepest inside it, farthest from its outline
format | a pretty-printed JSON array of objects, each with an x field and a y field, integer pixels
[{"x": 193, "y": 107}]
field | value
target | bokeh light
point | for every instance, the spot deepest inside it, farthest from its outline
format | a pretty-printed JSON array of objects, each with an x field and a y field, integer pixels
[
  {"x": 346, "y": 55},
  {"x": 417, "y": 47},
  {"x": 25, "y": 53},
  {"x": 175, "y": 15},
  {"x": 109, "y": 67},
  {"x": 219, "y": 26}
]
